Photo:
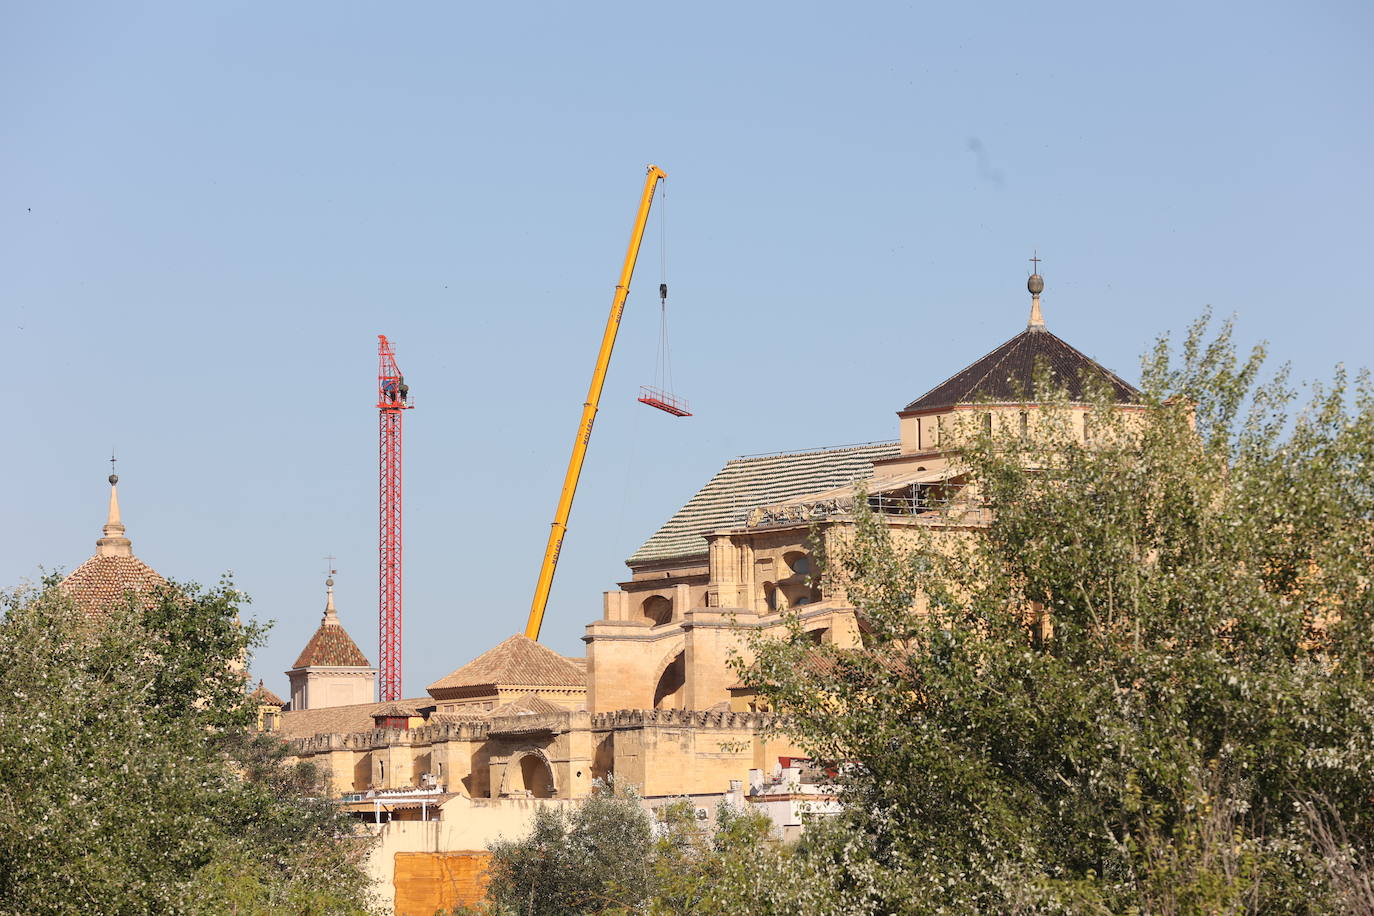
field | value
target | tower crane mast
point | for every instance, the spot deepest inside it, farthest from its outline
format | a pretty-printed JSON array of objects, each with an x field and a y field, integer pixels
[
  {"x": 584, "y": 429},
  {"x": 393, "y": 398}
]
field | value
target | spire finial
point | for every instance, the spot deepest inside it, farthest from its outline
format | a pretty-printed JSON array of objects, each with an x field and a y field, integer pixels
[
  {"x": 331, "y": 616},
  {"x": 114, "y": 543},
  {"x": 1036, "y": 285}
]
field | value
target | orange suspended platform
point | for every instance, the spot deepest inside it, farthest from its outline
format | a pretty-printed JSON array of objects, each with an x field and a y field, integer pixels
[{"x": 664, "y": 401}]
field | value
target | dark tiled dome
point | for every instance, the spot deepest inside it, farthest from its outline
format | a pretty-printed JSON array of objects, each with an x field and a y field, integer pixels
[{"x": 1007, "y": 375}]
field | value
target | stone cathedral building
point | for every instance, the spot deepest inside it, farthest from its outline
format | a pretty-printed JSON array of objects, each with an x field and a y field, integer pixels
[{"x": 655, "y": 701}]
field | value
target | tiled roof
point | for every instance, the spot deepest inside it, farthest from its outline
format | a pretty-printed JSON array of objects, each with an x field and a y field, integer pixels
[
  {"x": 1007, "y": 374},
  {"x": 457, "y": 718},
  {"x": 526, "y": 715},
  {"x": 103, "y": 581},
  {"x": 745, "y": 483},
  {"x": 265, "y": 697},
  {"x": 331, "y": 645},
  {"x": 332, "y": 720},
  {"x": 530, "y": 704},
  {"x": 518, "y": 661},
  {"x": 395, "y": 709}
]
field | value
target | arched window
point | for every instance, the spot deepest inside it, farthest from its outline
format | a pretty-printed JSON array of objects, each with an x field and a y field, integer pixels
[
  {"x": 798, "y": 562},
  {"x": 657, "y": 609}
]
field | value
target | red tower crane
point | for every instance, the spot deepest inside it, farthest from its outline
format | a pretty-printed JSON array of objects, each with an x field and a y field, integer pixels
[{"x": 393, "y": 397}]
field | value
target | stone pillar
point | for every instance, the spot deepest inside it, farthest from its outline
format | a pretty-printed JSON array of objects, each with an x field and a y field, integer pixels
[
  {"x": 615, "y": 605},
  {"x": 711, "y": 640}
]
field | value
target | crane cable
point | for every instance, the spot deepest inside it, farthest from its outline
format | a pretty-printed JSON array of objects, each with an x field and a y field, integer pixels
[
  {"x": 663, "y": 366},
  {"x": 632, "y": 453}
]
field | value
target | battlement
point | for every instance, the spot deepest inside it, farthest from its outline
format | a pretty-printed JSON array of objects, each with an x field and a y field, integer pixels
[{"x": 680, "y": 718}]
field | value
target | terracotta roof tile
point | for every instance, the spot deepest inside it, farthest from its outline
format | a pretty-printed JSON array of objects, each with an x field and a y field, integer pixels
[
  {"x": 332, "y": 646},
  {"x": 102, "y": 582},
  {"x": 530, "y": 704},
  {"x": 265, "y": 697},
  {"x": 335, "y": 720},
  {"x": 519, "y": 661},
  {"x": 457, "y": 718}
]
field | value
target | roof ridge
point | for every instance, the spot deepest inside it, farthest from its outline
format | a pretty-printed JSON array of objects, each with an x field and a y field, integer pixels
[
  {"x": 331, "y": 647},
  {"x": 819, "y": 450},
  {"x": 1009, "y": 347},
  {"x": 516, "y": 660},
  {"x": 1006, "y": 374},
  {"x": 1077, "y": 352},
  {"x": 740, "y": 485},
  {"x": 960, "y": 372}
]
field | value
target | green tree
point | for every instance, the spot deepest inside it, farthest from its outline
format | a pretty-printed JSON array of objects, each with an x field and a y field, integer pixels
[
  {"x": 587, "y": 858},
  {"x": 736, "y": 866},
  {"x": 609, "y": 855},
  {"x": 1202, "y": 688},
  {"x": 128, "y": 783}
]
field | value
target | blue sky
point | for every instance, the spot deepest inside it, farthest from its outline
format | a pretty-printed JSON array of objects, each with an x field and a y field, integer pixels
[{"x": 209, "y": 211}]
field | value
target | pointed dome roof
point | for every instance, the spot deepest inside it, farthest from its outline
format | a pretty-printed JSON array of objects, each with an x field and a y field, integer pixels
[
  {"x": 113, "y": 573},
  {"x": 264, "y": 696},
  {"x": 519, "y": 661},
  {"x": 331, "y": 646},
  {"x": 101, "y": 582},
  {"x": 1007, "y": 374}
]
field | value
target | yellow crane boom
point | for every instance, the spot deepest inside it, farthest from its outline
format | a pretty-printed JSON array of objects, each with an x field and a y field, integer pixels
[{"x": 584, "y": 429}]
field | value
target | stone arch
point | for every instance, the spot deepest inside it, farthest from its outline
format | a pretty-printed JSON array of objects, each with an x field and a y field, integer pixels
[
  {"x": 657, "y": 609},
  {"x": 671, "y": 683},
  {"x": 603, "y": 758},
  {"x": 529, "y": 772},
  {"x": 799, "y": 562}
]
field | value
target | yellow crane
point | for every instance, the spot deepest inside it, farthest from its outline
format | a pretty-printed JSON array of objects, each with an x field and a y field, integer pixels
[{"x": 584, "y": 429}]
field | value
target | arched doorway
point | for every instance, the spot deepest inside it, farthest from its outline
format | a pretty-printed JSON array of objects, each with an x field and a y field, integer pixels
[{"x": 529, "y": 775}]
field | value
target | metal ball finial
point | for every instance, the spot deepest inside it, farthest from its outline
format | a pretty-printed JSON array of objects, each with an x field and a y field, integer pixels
[
  {"x": 1036, "y": 283},
  {"x": 329, "y": 582},
  {"x": 114, "y": 479}
]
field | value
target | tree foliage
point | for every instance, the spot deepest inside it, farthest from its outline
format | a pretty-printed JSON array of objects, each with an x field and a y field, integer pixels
[
  {"x": 1197, "y": 696},
  {"x": 609, "y": 855},
  {"x": 128, "y": 783}
]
